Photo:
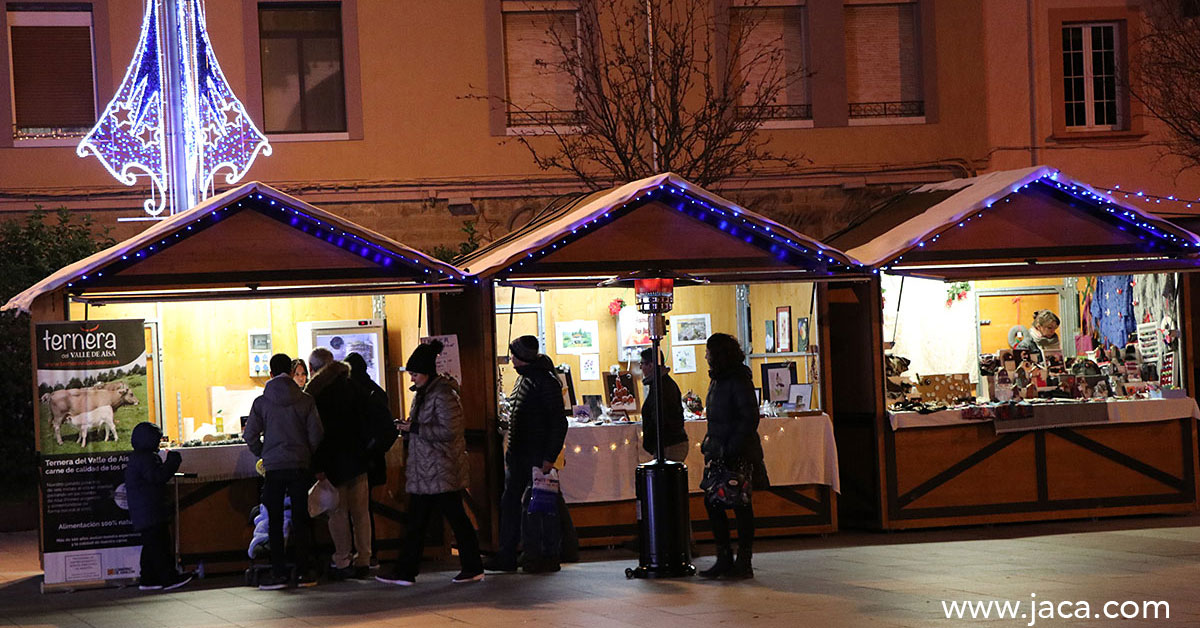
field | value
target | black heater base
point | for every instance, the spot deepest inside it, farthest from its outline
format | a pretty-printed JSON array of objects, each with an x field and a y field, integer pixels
[{"x": 663, "y": 521}]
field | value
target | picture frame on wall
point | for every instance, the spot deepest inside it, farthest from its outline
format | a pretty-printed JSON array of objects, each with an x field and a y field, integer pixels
[
  {"x": 769, "y": 338},
  {"x": 783, "y": 329},
  {"x": 690, "y": 329},
  {"x": 777, "y": 379},
  {"x": 802, "y": 333}
]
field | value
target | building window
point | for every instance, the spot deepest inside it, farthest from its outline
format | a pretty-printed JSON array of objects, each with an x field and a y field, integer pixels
[
  {"x": 771, "y": 53},
  {"x": 303, "y": 83},
  {"x": 1090, "y": 91},
  {"x": 883, "y": 61},
  {"x": 53, "y": 75},
  {"x": 539, "y": 90}
]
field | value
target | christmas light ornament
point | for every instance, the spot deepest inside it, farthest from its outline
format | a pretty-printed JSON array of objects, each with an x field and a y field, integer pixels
[{"x": 174, "y": 119}]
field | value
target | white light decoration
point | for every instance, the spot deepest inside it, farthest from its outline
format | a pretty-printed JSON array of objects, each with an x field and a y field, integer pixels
[{"x": 174, "y": 118}]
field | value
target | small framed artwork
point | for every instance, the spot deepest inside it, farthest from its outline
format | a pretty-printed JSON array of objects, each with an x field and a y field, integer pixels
[
  {"x": 777, "y": 378},
  {"x": 592, "y": 403},
  {"x": 802, "y": 333},
  {"x": 620, "y": 392},
  {"x": 769, "y": 339},
  {"x": 577, "y": 336},
  {"x": 800, "y": 396},
  {"x": 589, "y": 366},
  {"x": 758, "y": 393},
  {"x": 783, "y": 329},
  {"x": 690, "y": 329},
  {"x": 568, "y": 387},
  {"x": 683, "y": 359}
]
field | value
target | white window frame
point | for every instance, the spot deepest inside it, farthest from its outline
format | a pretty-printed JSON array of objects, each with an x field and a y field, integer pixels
[
  {"x": 47, "y": 18},
  {"x": 1089, "y": 95}
]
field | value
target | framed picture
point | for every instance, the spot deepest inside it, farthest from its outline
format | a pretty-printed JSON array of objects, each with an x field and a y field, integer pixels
[
  {"x": 769, "y": 339},
  {"x": 633, "y": 328},
  {"x": 589, "y": 367},
  {"x": 620, "y": 392},
  {"x": 777, "y": 378},
  {"x": 683, "y": 359},
  {"x": 592, "y": 403},
  {"x": 577, "y": 336},
  {"x": 802, "y": 333},
  {"x": 690, "y": 329},
  {"x": 800, "y": 396},
  {"x": 783, "y": 329},
  {"x": 758, "y": 393},
  {"x": 568, "y": 387}
]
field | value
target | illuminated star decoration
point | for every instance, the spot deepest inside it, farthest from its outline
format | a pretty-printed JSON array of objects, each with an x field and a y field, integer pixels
[{"x": 129, "y": 136}]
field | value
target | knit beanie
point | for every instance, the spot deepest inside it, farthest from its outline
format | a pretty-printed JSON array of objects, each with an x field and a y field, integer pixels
[
  {"x": 525, "y": 348},
  {"x": 424, "y": 358}
]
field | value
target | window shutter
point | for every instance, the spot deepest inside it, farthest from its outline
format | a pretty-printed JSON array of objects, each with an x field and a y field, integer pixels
[
  {"x": 52, "y": 76},
  {"x": 882, "y": 56},
  {"x": 779, "y": 29},
  {"x": 534, "y": 79}
]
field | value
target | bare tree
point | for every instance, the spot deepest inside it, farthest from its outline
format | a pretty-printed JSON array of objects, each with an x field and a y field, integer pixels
[
  {"x": 1167, "y": 80},
  {"x": 687, "y": 95}
]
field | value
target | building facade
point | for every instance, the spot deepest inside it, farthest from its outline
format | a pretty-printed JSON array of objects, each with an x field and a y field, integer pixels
[{"x": 403, "y": 115}]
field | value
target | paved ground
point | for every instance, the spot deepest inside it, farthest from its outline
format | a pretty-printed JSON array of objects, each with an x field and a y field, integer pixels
[{"x": 854, "y": 579}]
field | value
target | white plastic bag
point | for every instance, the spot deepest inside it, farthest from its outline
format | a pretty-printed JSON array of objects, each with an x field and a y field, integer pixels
[{"x": 322, "y": 497}]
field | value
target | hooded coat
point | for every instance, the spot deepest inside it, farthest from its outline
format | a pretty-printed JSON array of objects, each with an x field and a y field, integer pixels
[
  {"x": 538, "y": 421},
  {"x": 732, "y": 410},
  {"x": 437, "y": 448},
  {"x": 283, "y": 427},
  {"x": 342, "y": 454},
  {"x": 146, "y": 477}
]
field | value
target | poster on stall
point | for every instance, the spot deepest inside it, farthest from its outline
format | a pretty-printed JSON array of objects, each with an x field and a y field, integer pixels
[
  {"x": 92, "y": 391},
  {"x": 448, "y": 361}
]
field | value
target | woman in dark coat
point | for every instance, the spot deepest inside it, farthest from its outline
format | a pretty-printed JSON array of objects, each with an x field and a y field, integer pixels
[{"x": 732, "y": 438}]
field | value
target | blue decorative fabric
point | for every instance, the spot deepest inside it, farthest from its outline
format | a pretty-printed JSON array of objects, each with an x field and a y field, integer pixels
[{"x": 1112, "y": 309}]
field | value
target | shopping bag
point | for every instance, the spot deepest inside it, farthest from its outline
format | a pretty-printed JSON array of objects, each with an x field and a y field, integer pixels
[
  {"x": 322, "y": 497},
  {"x": 543, "y": 496}
]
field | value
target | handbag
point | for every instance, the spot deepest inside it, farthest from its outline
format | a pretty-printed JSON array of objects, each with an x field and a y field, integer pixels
[
  {"x": 322, "y": 497},
  {"x": 543, "y": 497},
  {"x": 726, "y": 485}
]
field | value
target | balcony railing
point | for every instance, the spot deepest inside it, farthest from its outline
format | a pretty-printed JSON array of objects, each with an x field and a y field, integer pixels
[
  {"x": 903, "y": 109},
  {"x": 776, "y": 112},
  {"x": 544, "y": 118},
  {"x": 48, "y": 133}
]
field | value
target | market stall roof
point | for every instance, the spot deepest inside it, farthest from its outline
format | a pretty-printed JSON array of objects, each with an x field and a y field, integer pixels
[
  {"x": 1015, "y": 223},
  {"x": 661, "y": 222},
  {"x": 251, "y": 241}
]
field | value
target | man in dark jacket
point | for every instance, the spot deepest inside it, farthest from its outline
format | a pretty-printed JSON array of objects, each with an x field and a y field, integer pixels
[
  {"x": 342, "y": 458},
  {"x": 381, "y": 428},
  {"x": 537, "y": 429},
  {"x": 146, "y": 478},
  {"x": 675, "y": 439},
  {"x": 284, "y": 430}
]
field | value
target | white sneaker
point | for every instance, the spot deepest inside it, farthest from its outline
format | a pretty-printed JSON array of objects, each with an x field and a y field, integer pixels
[
  {"x": 149, "y": 587},
  {"x": 399, "y": 581},
  {"x": 183, "y": 579}
]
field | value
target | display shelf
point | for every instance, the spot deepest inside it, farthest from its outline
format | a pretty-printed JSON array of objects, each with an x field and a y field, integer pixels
[{"x": 789, "y": 354}]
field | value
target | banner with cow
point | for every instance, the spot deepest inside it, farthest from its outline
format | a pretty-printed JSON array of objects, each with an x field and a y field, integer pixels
[{"x": 92, "y": 391}]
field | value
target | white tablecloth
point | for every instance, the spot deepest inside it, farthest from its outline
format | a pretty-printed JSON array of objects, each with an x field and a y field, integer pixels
[
  {"x": 217, "y": 462},
  {"x": 1115, "y": 411},
  {"x": 601, "y": 460}
]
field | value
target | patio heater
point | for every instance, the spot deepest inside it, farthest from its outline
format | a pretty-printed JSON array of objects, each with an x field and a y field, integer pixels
[{"x": 662, "y": 492}]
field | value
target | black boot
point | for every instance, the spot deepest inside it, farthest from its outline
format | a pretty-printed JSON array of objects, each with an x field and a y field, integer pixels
[
  {"x": 742, "y": 569},
  {"x": 723, "y": 565}
]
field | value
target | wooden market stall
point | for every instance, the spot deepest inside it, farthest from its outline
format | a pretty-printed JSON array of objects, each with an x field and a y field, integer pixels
[
  {"x": 542, "y": 280},
  {"x": 252, "y": 258},
  {"x": 910, "y": 470}
]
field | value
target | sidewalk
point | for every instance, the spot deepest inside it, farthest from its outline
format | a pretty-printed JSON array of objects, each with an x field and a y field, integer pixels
[{"x": 853, "y": 579}]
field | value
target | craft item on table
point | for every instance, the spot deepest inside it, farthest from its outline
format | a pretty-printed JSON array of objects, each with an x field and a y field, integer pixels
[
  {"x": 1069, "y": 384},
  {"x": 692, "y": 402},
  {"x": 1137, "y": 388},
  {"x": 1166, "y": 374},
  {"x": 1003, "y": 389},
  {"x": 988, "y": 364},
  {"x": 594, "y": 407},
  {"x": 897, "y": 387},
  {"x": 949, "y": 389},
  {"x": 582, "y": 414},
  {"x": 1055, "y": 362}
]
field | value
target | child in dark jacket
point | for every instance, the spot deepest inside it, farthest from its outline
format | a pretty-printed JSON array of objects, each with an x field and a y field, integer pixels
[{"x": 146, "y": 478}]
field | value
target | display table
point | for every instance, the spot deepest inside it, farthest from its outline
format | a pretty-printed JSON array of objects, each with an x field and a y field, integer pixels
[
  {"x": 1051, "y": 415},
  {"x": 1071, "y": 460},
  {"x": 597, "y": 478}
]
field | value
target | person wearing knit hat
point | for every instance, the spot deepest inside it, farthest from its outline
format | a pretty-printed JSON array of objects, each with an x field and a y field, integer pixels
[
  {"x": 537, "y": 428},
  {"x": 436, "y": 472}
]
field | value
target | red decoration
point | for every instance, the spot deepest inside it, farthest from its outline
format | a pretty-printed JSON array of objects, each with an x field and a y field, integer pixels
[{"x": 614, "y": 307}]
